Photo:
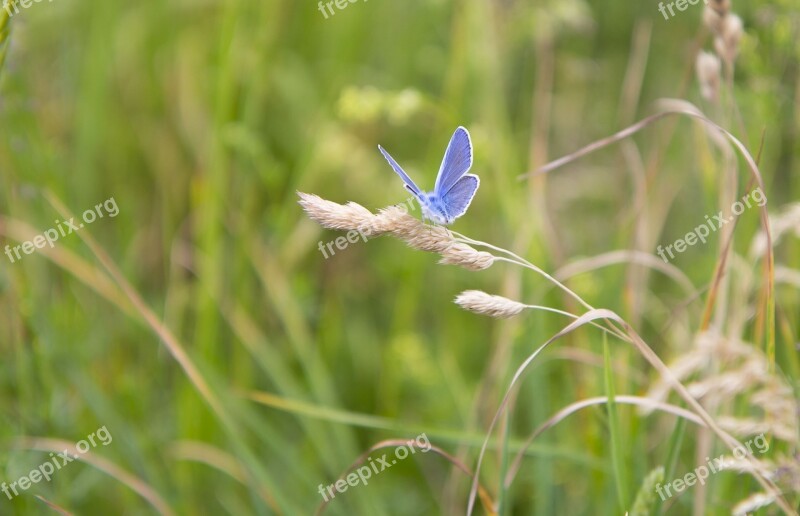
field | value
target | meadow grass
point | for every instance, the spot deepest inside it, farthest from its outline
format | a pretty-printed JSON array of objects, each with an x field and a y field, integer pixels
[{"x": 555, "y": 362}]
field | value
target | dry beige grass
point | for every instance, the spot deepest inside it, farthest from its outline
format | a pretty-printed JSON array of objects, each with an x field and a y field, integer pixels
[{"x": 395, "y": 221}]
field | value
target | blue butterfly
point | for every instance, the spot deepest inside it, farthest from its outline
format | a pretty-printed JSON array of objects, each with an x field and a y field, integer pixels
[{"x": 454, "y": 188}]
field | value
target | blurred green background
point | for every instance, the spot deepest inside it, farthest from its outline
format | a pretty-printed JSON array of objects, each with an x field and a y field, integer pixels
[{"x": 203, "y": 119}]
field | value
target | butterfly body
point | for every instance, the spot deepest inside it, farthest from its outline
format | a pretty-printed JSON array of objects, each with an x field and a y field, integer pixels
[
  {"x": 435, "y": 209},
  {"x": 454, "y": 187}
]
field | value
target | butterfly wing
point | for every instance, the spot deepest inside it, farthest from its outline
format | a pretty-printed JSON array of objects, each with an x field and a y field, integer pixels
[
  {"x": 458, "y": 198},
  {"x": 410, "y": 186},
  {"x": 456, "y": 162}
]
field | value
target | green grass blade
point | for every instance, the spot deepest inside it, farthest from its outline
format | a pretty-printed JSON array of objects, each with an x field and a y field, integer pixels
[
  {"x": 672, "y": 456},
  {"x": 620, "y": 474}
]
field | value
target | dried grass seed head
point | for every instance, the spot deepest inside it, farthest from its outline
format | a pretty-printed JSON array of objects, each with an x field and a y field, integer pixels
[
  {"x": 727, "y": 41},
  {"x": 396, "y": 221},
  {"x": 713, "y": 19},
  {"x": 708, "y": 67},
  {"x": 466, "y": 256},
  {"x": 482, "y": 303},
  {"x": 332, "y": 215}
]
